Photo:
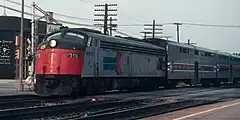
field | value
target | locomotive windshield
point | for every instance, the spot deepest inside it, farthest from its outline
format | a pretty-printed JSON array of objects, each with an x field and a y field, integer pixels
[
  {"x": 56, "y": 35},
  {"x": 72, "y": 36},
  {"x": 65, "y": 39},
  {"x": 75, "y": 36}
]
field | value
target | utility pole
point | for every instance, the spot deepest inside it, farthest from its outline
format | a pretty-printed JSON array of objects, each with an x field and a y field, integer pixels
[
  {"x": 4, "y": 9},
  {"x": 110, "y": 26},
  {"x": 178, "y": 24},
  {"x": 145, "y": 34},
  {"x": 21, "y": 50},
  {"x": 151, "y": 29},
  {"x": 31, "y": 48},
  {"x": 34, "y": 37},
  {"x": 105, "y": 19},
  {"x": 106, "y": 14}
]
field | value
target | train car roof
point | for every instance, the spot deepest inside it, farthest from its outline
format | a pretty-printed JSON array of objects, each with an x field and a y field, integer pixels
[
  {"x": 185, "y": 45},
  {"x": 205, "y": 49},
  {"x": 123, "y": 40},
  {"x": 223, "y": 53},
  {"x": 201, "y": 48},
  {"x": 180, "y": 44},
  {"x": 236, "y": 56}
]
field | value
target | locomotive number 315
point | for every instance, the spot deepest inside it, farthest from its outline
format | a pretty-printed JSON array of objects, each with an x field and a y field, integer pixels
[{"x": 74, "y": 55}]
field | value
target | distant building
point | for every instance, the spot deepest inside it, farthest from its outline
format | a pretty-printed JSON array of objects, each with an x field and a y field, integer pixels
[{"x": 9, "y": 29}]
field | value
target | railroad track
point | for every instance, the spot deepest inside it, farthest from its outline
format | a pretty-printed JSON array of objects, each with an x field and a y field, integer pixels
[
  {"x": 36, "y": 107},
  {"x": 144, "y": 111},
  {"x": 148, "y": 110},
  {"x": 61, "y": 109},
  {"x": 11, "y": 101},
  {"x": 24, "y": 101},
  {"x": 22, "y": 96},
  {"x": 226, "y": 86},
  {"x": 165, "y": 93},
  {"x": 132, "y": 111}
]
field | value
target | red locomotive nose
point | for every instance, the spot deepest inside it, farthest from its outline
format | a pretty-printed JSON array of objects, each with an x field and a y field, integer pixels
[
  {"x": 59, "y": 61},
  {"x": 53, "y": 62}
]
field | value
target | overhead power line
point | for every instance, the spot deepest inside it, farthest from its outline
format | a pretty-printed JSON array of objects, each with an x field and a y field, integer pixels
[
  {"x": 62, "y": 21},
  {"x": 117, "y": 31},
  {"x": 127, "y": 16},
  {"x": 210, "y": 25},
  {"x": 58, "y": 14},
  {"x": 131, "y": 17},
  {"x": 108, "y": 10},
  {"x": 131, "y": 25},
  {"x": 87, "y": 1},
  {"x": 87, "y": 19},
  {"x": 193, "y": 24},
  {"x": 17, "y": 3}
]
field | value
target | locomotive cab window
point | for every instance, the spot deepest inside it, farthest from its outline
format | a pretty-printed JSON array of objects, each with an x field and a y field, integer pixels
[
  {"x": 75, "y": 36},
  {"x": 53, "y": 36}
]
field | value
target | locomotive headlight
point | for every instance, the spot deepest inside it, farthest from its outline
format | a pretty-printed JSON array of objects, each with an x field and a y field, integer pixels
[{"x": 53, "y": 43}]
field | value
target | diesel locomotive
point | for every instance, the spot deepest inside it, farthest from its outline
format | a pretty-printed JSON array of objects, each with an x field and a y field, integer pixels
[{"x": 77, "y": 61}]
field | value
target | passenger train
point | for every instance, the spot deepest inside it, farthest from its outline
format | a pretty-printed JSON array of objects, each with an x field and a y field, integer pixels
[
  {"x": 78, "y": 61},
  {"x": 196, "y": 65}
]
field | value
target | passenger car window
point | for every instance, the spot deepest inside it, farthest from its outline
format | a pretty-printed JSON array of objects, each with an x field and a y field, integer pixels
[
  {"x": 184, "y": 50},
  {"x": 181, "y": 50},
  {"x": 196, "y": 52}
]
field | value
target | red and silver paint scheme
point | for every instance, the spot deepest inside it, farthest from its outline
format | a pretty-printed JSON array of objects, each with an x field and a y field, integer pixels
[
  {"x": 59, "y": 61},
  {"x": 76, "y": 60},
  {"x": 89, "y": 62}
]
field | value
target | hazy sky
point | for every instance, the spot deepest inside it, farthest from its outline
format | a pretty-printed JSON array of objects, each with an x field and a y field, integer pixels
[{"x": 163, "y": 11}]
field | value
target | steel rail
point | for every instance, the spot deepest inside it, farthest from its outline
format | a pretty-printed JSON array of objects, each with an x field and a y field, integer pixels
[
  {"x": 26, "y": 102},
  {"x": 10, "y": 97},
  {"x": 48, "y": 111},
  {"x": 146, "y": 111}
]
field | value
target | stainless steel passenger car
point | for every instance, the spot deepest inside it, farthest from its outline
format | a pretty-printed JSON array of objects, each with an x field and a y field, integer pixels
[{"x": 193, "y": 65}]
